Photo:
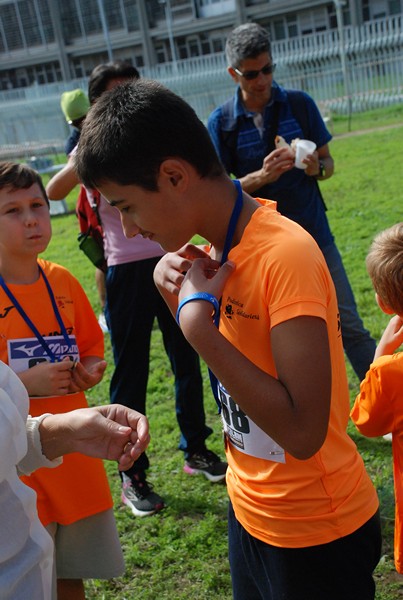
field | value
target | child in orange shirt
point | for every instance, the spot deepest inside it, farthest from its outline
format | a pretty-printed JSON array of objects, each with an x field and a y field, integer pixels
[
  {"x": 303, "y": 514},
  {"x": 50, "y": 337},
  {"x": 378, "y": 408}
]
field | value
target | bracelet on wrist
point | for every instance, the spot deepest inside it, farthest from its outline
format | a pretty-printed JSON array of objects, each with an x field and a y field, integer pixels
[{"x": 199, "y": 296}]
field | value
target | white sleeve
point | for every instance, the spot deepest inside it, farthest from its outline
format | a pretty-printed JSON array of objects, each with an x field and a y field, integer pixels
[{"x": 34, "y": 459}]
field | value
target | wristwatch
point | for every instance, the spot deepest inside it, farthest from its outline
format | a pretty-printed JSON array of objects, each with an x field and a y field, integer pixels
[{"x": 322, "y": 171}]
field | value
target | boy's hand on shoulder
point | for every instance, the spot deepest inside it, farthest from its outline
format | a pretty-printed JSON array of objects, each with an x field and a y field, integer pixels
[
  {"x": 206, "y": 275},
  {"x": 203, "y": 276},
  {"x": 172, "y": 268},
  {"x": 87, "y": 373},
  {"x": 48, "y": 379},
  {"x": 391, "y": 338}
]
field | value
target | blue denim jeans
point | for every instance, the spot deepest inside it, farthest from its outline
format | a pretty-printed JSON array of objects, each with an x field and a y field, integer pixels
[
  {"x": 339, "y": 570},
  {"x": 358, "y": 344},
  {"x": 133, "y": 303}
]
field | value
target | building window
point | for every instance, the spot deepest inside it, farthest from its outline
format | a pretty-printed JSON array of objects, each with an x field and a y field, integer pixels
[
  {"x": 78, "y": 68},
  {"x": 91, "y": 17},
  {"x": 131, "y": 15},
  {"x": 278, "y": 30},
  {"x": 194, "y": 47},
  {"x": 139, "y": 60},
  {"x": 292, "y": 25},
  {"x": 395, "y": 7},
  {"x": 205, "y": 44},
  {"x": 113, "y": 14},
  {"x": 71, "y": 20},
  {"x": 379, "y": 9},
  {"x": 217, "y": 45},
  {"x": 11, "y": 27},
  {"x": 160, "y": 54},
  {"x": 182, "y": 48}
]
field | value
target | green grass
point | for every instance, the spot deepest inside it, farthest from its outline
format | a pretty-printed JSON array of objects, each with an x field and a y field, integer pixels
[
  {"x": 181, "y": 553},
  {"x": 382, "y": 117}
]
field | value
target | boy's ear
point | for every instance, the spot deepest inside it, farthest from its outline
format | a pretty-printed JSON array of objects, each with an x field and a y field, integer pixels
[
  {"x": 174, "y": 173},
  {"x": 384, "y": 307}
]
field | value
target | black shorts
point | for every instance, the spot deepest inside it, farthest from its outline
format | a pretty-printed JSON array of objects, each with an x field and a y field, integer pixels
[{"x": 339, "y": 570}]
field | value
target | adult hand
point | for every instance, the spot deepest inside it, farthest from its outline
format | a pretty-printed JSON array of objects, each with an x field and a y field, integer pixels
[
  {"x": 112, "y": 432},
  {"x": 312, "y": 164},
  {"x": 276, "y": 163}
]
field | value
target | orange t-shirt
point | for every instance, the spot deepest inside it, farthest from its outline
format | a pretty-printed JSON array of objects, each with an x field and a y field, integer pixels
[
  {"x": 79, "y": 487},
  {"x": 281, "y": 274},
  {"x": 378, "y": 409}
]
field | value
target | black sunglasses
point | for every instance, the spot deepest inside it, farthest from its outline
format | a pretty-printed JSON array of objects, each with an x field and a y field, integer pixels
[{"x": 249, "y": 75}]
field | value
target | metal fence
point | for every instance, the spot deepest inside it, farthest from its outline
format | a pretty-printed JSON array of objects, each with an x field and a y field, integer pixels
[{"x": 31, "y": 119}]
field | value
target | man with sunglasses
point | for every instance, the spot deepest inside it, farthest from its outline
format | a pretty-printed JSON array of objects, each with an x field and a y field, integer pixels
[{"x": 244, "y": 130}]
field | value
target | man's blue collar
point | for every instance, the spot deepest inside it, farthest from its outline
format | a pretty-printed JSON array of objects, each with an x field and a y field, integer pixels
[{"x": 278, "y": 95}]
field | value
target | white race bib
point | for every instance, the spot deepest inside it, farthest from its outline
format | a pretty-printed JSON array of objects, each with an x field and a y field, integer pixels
[
  {"x": 244, "y": 434},
  {"x": 25, "y": 353}
]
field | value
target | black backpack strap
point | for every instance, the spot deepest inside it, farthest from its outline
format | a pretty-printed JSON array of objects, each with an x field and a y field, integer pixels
[
  {"x": 230, "y": 128},
  {"x": 274, "y": 127},
  {"x": 299, "y": 109}
]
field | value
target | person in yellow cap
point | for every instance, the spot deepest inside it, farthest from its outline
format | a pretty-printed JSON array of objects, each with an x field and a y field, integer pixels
[{"x": 75, "y": 105}]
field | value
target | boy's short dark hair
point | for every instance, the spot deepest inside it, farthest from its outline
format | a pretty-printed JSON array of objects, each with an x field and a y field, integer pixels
[
  {"x": 19, "y": 176},
  {"x": 133, "y": 128},
  {"x": 101, "y": 75},
  {"x": 385, "y": 267},
  {"x": 246, "y": 41}
]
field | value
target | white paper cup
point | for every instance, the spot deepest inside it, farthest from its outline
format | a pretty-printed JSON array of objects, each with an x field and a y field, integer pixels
[{"x": 303, "y": 148}]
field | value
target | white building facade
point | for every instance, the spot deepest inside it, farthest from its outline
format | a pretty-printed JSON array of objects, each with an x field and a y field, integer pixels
[{"x": 48, "y": 41}]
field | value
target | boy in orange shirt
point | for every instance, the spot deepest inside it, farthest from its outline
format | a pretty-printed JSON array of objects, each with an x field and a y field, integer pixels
[
  {"x": 50, "y": 337},
  {"x": 303, "y": 515},
  {"x": 378, "y": 408}
]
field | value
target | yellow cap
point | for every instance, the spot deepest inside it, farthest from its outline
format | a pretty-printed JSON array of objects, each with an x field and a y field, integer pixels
[{"x": 74, "y": 104}]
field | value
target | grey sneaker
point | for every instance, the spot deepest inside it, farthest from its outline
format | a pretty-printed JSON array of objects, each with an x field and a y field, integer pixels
[
  {"x": 137, "y": 494},
  {"x": 206, "y": 463}
]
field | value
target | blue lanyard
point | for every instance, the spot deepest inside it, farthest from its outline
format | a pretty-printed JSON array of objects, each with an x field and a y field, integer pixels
[
  {"x": 227, "y": 247},
  {"x": 28, "y": 321}
]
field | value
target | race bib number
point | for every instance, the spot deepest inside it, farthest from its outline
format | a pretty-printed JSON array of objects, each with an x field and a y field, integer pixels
[
  {"x": 25, "y": 353},
  {"x": 244, "y": 434}
]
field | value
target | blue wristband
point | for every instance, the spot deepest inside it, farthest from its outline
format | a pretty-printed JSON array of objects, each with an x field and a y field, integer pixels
[{"x": 199, "y": 296}]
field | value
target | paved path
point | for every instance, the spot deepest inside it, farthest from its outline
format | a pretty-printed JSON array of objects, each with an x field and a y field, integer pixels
[{"x": 364, "y": 131}]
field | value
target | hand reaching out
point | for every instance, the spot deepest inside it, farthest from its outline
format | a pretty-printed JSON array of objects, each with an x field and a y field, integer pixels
[{"x": 112, "y": 432}]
